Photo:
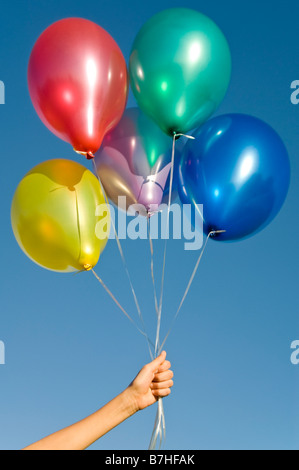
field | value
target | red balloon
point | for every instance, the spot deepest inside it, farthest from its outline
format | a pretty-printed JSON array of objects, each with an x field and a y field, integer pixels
[{"x": 78, "y": 82}]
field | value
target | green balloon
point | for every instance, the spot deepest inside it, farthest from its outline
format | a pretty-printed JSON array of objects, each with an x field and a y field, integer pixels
[{"x": 180, "y": 68}]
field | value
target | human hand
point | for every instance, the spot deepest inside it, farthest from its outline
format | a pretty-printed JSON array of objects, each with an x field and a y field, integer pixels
[{"x": 154, "y": 381}]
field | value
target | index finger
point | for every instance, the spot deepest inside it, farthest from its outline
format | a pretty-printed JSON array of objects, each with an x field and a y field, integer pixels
[{"x": 165, "y": 366}]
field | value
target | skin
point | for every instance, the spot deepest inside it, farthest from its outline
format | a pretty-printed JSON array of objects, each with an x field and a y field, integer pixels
[{"x": 153, "y": 382}]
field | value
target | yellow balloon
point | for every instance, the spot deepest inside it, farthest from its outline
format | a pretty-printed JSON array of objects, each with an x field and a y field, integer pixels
[{"x": 56, "y": 218}]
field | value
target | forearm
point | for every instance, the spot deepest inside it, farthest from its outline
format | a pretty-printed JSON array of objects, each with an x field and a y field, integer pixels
[{"x": 82, "y": 434}]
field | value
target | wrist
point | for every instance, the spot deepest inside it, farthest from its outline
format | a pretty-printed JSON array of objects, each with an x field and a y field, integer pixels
[{"x": 130, "y": 400}]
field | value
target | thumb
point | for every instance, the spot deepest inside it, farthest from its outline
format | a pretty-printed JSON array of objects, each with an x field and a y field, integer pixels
[{"x": 156, "y": 363}]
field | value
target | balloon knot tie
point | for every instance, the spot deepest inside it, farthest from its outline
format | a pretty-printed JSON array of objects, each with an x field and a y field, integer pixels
[
  {"x": 214, "y": 233},
  {"x": 177, "y": 136},
  {"x": 88, "y": 155},
  {"x": 87, "y": 267}
]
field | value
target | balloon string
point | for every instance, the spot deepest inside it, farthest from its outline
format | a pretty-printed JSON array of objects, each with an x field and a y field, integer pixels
[
  {"x": 165, "y": 247},
  {"x": 78, "y": 223},
  {"x": 211, "y": 234},
  {"x": 117, "y": 303},
  {"x": 125, "y": 265},
  {"x": 159, "y": 430},
  {"x": 152, "y": 266},
  {"x": 132, "y": 290},
  {"x": 120, "y": 250}
]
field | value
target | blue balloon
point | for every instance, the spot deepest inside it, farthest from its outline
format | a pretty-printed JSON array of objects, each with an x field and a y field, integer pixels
[{"x": 239, "y": 169}]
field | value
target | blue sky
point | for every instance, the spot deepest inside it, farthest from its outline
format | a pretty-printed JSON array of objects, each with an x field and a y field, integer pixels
[{"x": 68, "y": 348}]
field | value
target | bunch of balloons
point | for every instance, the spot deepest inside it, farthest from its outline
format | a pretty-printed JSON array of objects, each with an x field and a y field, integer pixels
[
  {"x": 236, "y": 166},
  {"x": 179, "y": 71}
]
